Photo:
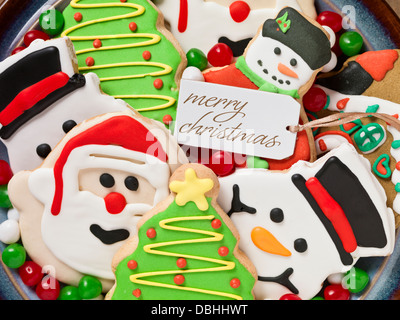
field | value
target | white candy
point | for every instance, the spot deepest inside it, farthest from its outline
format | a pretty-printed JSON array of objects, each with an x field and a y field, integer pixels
[
  {"x": 13, "y": 214},
  {"x": 9, "y": 231},
  {"x": 336, "y": 278},
  {"x": 192, "y": 73}
]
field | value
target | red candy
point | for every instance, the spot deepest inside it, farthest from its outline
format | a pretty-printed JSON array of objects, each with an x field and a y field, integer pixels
[
  {"x": 235, "y": 283},
  {"x": 167, "y": 119},
  {"x": 181, "y": 263},
  {"x": 290, "y": 296},
  {"x": 132, "y": 264},
  {"x": 216, "y": 224},
  {"x": 33, "y": 35},
  {"x": 89, "y": 61},
  {"x": 179, "y": 279},
  {"x": 336, "y": 292},
  {"x": 158, "y": 83},
  {"x": 315, "y": 99},
  {"x": 5, "y": 173},
  {"x": 30, "y": 273},
  {"x": 78, "y": 17},
  {"x": 146, "y": 55},
  {"x": 133, "y": 26},
  {"x": 223, "y": 251},
  {"x": 97, "y": 43},
  {"x": 220, "y": 55},
  {"x": 48, "y": 289},
  {"x": 239, "y": 11},
  {"x": 137, "y": 293},
  {"x": 331, "y": 19},
  {"x": 151, "y": 233},
  {"x": 18, "y": 49},
  {"x": 221, "y": 163}
]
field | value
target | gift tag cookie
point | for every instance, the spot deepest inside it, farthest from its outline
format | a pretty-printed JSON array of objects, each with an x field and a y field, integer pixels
[
  {"x": 309, "y": 222},
  {"x": 83, "y": 202},
  {"x": 126, "y": 44},
  {"x": 186, "y": 248}
]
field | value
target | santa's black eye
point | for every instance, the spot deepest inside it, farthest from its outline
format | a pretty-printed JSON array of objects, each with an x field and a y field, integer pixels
[
  {"x": 132, "y": 183},
  {"x": 43, "y": 150},
  {"x": 68, "y": 125},
  {"x": 300, "y": 245},
  {"x": 277, "y": 51},
  {"x": 107, "y": 180},
  {"x": 293, "y": 62},
  {"x": 276, "y": 215}
]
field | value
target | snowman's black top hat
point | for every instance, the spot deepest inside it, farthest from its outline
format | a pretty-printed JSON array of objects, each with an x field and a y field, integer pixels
[{"x": 296, "y": 32}]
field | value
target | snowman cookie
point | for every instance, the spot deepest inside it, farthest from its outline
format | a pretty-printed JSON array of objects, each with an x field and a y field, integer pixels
[
  {"x": 43, "y": 97},
  {"x": 201, "y": 24},
  {"x": 314, "y": 220},
  {"x": 83, "y": 202}
]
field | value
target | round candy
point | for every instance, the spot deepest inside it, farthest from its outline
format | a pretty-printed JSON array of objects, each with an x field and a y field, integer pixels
[
  {"x": 33, "y": 35},
  {"x": 9, "y": 231},
  {"x": 223, "y": 251},
  {"x": 220, "y": 55},
  {"x": 48, "y": 288},
  {"x": 132, "y": 264},
  {"x": 356, "y": 280},
  {"x": 167, "y": 119},
  {"x": 146, "y": 55},
  {"x": 216, "y": 224},
  {"x": 137, "y": 293},
  {"x": 179, "y": 279},
  {"x": 97, "y": 43},
  {"x": 5, "y": 172},
  {"x": 351, "y": 43},
  {"x": 14, "y": 255},
  {"x": 18, "y": 49},
  {"x": 181, "y": 263},
  {"x": 290, "y": 296},
  {"x": 235, "y": 283},
  {"x": 69, "y": 293},
  {"x": 221, "y": 163},
  {"x": 51, "y": 22},
  {"x": 196, "y": 58},
  {"x": 239, "y": 11},
  {"x": 89, "y": 61},
  {"x": 133, "y": 26},
  {"x": 151, "y": 233},
  {"x": 89, "y": 287},
  {"x": 336, "y": 292},
  {"x": 330, "y": 19},
  {"x": 78, "y": 17},
  {"x": 315, "y": 99},
  {"x": 30, "y": 273},
  {"x": 158, "y": 83},
  {"x": 4, "y": 200}
]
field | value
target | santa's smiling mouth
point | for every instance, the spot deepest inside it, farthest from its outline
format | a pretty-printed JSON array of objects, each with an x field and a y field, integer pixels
[{"x": 109, "y": 237}]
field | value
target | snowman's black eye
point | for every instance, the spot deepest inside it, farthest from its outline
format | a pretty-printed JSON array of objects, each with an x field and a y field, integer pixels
[
  {"x": 132, "y": 183},
  {"x": 300, "y": 245},
  {"x": 68, "y": 125},
  {"x": 107, "y": 180},
  {"x": 276, "y": 215},
  {"x": 43, "y": 150},
  {"x": 277, "y": 51},
  {"x": 293, "y": 62}
]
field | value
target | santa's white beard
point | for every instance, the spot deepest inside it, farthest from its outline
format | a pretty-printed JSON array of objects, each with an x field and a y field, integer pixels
[{"x": 69, "y": 238}]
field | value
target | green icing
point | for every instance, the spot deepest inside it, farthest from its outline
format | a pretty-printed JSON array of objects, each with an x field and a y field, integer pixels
[
  {"x": 162, "y": 52},
  {"x": 149, "y": 262},
  {"x": 369, "y": 137}
]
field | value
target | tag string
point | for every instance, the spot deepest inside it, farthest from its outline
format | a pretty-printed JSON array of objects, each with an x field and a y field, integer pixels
[{"x": 338, "y": 119}]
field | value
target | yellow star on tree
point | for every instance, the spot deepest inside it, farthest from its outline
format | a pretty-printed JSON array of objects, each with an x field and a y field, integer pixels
[{"x": 192, "y": 189}]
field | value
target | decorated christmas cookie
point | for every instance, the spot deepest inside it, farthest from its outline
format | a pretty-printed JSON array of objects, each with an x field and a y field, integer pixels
[
  {"x": 317, "y": 219},
  {"x": 43, "y": 97},
  {"x": 278, "y": 61},
  {"x": 83, "y": 202},
  {"x": 186, "y": 248},
  {"x": 202, "y": 24},
  {"x": 126, "y": 44}
]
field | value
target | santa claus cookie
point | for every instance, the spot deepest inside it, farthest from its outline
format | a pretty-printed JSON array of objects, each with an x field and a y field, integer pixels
[
  {"x": 278, "y": 60},
  {"x": 186, "y": 248},
  {"x": 43, "y": 97},
  {"x": 314, "y": 220},
  {"x": 201, "y": 24},
  {"x": 83, "y": 202}
]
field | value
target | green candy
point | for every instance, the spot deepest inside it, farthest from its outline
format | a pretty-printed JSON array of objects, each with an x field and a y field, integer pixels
[
  {"x": 356, "y": 280},
  {"x": 4, "y": 199},
  {"x": 69, "y": 293},
  {"x": 317, "y": 298},
  {"x": 196, "y": 58},
  {"x": 256, "y": 162},
  {"x": 14, "y": 255},
  {"x": 351, "y": 43},
  {"x": 51, "y": 22},
  {"x": 89, "y": 287}
]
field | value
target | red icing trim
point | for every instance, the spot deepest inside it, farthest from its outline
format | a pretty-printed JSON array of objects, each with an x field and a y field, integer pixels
[
  {"x": 378, "y": 63},
  {"x": 334, "y": 213},
  {"x": 381, "y": 168},
  {"x": 183, "y": 16},
  {"x": 322, "y": 145},
  {"x": 342, "y": 103},
  {"x": 30, "y": 96},
  {"x": 122, "y": 131}
]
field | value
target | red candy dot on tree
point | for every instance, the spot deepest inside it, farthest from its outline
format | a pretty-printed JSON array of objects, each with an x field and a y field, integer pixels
[
  {"x": 179, "y": 279},
  {"x": 167, "y": 119},
  {"x": 132, "y": 264},
  {"x": 315, "y": 99},
  {"x": 181, "y": 263},
  {"x": 89, "y": 61},
  {"x": 239, "y": 11},
  {"x": 133, "y": 26},
  {"x": 331, "y": 19},
  {"x": 48, "y": 289},
  {"x": 146, "y": 55},
  {"x": 30, "y": 273},
  {"x": 158, "y": 83},
  {"x": 220, "y": 55},
  {"x": 5, "y": 173},
  {"x": 33, "y": 35},
  {"x": 216, "y": 224},
  {"x": 137, "y": 293},
  {"x": 97, "y": 43},
  {"x": 336, "y": 292},
  {"x": 235, "y": 283},
  {"x": 221, "y": 163},
  {"x": 223, "y": 251},
  {"x": 78, "y": 17},
  {"x": 290, "y": 296},
  {"x": 151, "y": 233},
  {"x": 18, "y": 49}
]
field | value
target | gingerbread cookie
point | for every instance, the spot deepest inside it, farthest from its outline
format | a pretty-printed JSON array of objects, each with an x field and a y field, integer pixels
[
  {"x": 314, "y": 220},
  {"x": 83, "y": 202},
  {"x": 201, "y": 24},
  {"x": 126, "y": 44},
  {"x": 186, "y": 248}
]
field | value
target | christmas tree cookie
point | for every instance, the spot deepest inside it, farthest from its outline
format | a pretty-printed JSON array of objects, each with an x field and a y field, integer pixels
[
  {"x": 126, "y": 44},
  {"x": 186, "y": 248}
]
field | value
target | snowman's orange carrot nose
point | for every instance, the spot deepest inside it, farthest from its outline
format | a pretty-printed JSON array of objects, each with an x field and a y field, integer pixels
[
  {"x": 287, "y": 71},
  {"x": 264, "y": 240}
]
